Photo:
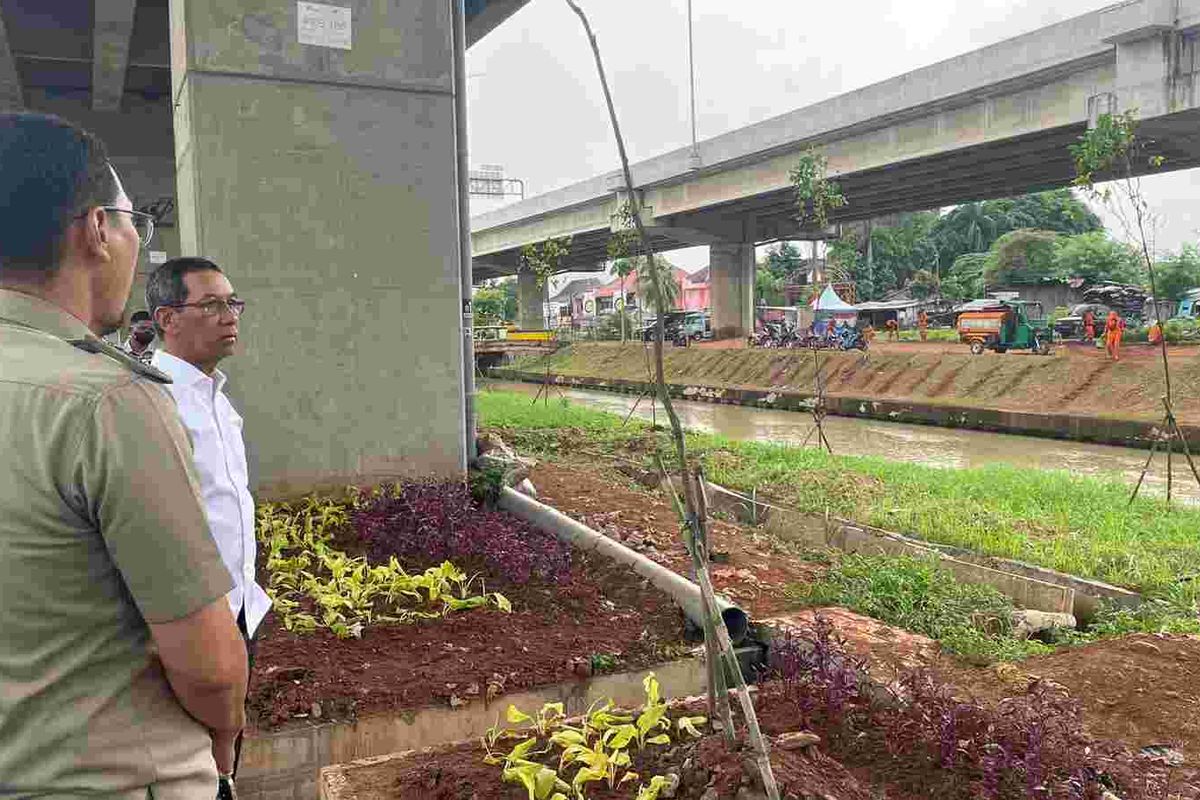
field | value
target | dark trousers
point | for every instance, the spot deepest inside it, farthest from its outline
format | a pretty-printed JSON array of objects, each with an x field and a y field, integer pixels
[{"x": 241, "y": 623}]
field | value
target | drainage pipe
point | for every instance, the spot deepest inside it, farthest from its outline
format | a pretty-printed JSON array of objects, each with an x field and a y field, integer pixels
[
  {"x": 683, "y": 591},
  {"x": 459, "y": 17}
]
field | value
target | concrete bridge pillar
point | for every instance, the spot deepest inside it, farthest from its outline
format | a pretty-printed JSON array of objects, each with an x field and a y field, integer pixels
[
  {"x": 316, "y": 163},
  {"x": 731, "y": 271},
  {"x": 530, "y": 316}
]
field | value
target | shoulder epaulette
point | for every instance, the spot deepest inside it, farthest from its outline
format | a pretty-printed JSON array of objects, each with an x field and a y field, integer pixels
[{"x": 97, "y": 345}]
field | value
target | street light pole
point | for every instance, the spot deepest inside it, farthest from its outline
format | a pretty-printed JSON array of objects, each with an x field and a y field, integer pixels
[{"x": 694, "y": 159}]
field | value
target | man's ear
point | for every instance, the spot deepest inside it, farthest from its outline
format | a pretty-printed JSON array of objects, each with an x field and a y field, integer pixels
[
  {"x": 163, "y": 316},
  {"x": 93, "y": 233}
]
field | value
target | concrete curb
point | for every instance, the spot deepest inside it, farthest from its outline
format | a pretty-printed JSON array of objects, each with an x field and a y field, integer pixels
[
  {"x": 1029, "y": 586},
  {"x": 286, "y": 764}
]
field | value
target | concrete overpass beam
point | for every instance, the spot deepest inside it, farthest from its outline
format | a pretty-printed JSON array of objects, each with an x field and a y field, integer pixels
[
  {"x": 530, "y": 316},
  {"x": 110, "y": 48},
  {"x": 731, "y": 271},
  {"x": 289, "y": 177},
  {"x": 1150, "y": 76},
  {"x": 11, "y": 96}
]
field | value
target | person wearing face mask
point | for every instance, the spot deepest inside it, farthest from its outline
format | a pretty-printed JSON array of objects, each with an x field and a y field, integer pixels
[{"x": 141, "y": 337}]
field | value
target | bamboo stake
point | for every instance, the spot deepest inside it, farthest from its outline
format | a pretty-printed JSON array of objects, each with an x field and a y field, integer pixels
[
  {"x": 694, "y": 522},
  {"x": 718, "y": 690}
]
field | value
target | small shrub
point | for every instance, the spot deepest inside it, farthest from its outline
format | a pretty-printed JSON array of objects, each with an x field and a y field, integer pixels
[
  {"x": 816, "y": 674},
  {"x": 427, "y": 523}
]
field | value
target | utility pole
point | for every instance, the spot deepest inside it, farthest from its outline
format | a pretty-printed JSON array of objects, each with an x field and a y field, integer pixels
[{"x": 694, "y": 159}]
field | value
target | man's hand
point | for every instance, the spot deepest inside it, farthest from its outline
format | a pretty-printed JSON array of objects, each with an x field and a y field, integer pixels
[{"x": 222, "y": 749}]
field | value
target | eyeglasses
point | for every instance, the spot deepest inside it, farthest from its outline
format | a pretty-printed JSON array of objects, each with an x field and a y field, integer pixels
[
  {"x": 211, "y": 308},
  {"x": 143, "y": 223}
]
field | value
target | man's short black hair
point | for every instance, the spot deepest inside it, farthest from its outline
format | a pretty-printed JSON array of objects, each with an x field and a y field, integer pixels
[
  {"x": 165, "y": 287},
  {"x": 139, "y": 316},
  {"x": 50, "y": 172}
]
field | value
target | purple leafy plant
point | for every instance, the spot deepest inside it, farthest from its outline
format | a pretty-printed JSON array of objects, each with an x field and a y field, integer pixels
[
  {"x": 816, "y": 673},
  {"x": 1027, "y": 747},
  {"x": 423, "y": 524}
]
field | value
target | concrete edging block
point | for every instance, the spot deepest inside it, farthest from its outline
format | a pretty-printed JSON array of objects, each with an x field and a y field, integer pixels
[{"x": 296, "y": 757}]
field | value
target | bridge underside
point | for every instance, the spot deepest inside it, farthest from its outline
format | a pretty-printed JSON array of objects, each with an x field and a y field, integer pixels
[{"x": 1029, "y": 163}]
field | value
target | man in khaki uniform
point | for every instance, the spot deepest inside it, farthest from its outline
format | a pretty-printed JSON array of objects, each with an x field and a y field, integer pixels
[{"x": 122, "y": 672}]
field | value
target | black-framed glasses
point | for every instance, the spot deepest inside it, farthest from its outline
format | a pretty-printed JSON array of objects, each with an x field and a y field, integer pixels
[
  {"x": 143, "y": 223},
  {"x": 216, "y": 306}
]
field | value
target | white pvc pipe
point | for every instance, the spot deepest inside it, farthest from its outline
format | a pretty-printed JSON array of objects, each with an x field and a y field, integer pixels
[{"x": 683, "y": 591}]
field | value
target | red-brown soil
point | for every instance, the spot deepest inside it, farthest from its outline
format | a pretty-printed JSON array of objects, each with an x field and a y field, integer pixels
[
  {"x": 459, "y": 773},
  {"x": 1075, "y": 380},
  {"x": 1140, "y": 690},
  {"x": 848, "y": 763},
  {"x": 549, "y": 637},
  {"x": 752, "y": 571}
]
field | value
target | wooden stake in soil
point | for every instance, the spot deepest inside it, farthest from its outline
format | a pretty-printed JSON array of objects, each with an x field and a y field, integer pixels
[{"x": 694, "y": 520}]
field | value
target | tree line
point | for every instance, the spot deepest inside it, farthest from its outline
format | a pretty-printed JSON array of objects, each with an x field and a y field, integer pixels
[{"x": 1045, "y": 236}]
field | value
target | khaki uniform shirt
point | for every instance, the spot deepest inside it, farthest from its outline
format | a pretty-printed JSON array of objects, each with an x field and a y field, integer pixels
[{"x": 101, "y": 531}]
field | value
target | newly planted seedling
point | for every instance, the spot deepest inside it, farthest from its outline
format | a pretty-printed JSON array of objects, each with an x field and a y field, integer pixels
[{"x": 597, "y": 746}]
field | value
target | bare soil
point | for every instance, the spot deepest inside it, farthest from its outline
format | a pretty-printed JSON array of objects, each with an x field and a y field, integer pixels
[
  {"x": 549, "y": 638},
  {"x": 1077, "y": 379},
  {"x": 752, "y": 569},
  {"x": 1142, "y": 690}
]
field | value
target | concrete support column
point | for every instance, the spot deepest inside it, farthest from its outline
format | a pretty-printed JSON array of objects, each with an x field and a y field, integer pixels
[
  {"x": 316, "y": 163},
  {"x": 529, "y": 302},
  {"x": 731, "y": 271}
]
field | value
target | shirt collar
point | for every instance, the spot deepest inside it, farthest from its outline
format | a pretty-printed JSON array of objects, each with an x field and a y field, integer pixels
[
  {"x": 185, "y": 373},
  {"x": 34, "y": 312}
]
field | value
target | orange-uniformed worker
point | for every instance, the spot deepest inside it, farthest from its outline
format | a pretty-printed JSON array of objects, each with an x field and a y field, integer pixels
[
  {"x": 1155, "y": 334},
  {"x": 122, "y": 672},
  {"x": 1089, "y": 326},
  {"x": 923, "y": 324},
  {"x": 1114, "y": 328},
  {"x": 893, "y": 329}
]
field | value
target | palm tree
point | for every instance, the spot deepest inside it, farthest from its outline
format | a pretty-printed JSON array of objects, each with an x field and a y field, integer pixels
[
  {"x": 658, "y": 285},
  {"x": 622, "y": 267}
]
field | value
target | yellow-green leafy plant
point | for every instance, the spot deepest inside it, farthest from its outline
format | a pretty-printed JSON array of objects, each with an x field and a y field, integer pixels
[
  {"x": 598, "y": 745},
  {"x": 344, "y": 594}
]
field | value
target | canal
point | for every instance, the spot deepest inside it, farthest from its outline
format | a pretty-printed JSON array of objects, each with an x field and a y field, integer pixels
[{"x": 947, "y": 448}]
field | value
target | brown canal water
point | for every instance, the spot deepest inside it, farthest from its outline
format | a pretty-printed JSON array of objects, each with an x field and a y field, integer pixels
[{"x": 948, "y": 448}]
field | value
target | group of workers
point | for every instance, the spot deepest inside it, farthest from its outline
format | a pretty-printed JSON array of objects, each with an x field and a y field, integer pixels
[
  {"x": 892, "y": 327},
  {"x": 1114, "y": 332}
]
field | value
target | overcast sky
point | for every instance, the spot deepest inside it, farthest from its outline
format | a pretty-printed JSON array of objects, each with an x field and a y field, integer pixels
[{"x": 537, "y": 110}]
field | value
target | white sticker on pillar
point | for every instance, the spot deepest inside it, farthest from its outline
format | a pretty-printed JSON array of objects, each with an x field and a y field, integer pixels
[{"x": 323, "y": 25}]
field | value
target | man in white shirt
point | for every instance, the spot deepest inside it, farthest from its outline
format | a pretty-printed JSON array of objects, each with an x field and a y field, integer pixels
[{"x": 196, "y": 314}]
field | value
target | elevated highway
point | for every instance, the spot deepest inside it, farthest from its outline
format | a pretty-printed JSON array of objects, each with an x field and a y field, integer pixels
[{"x": 991, "y": 123}]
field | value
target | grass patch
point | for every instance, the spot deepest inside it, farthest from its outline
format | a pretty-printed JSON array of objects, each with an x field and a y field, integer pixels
[
  {"x": 974, "y": 622},
  {"x": 1083, "y": 526},
  {"x": 932, "y": 335}
]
